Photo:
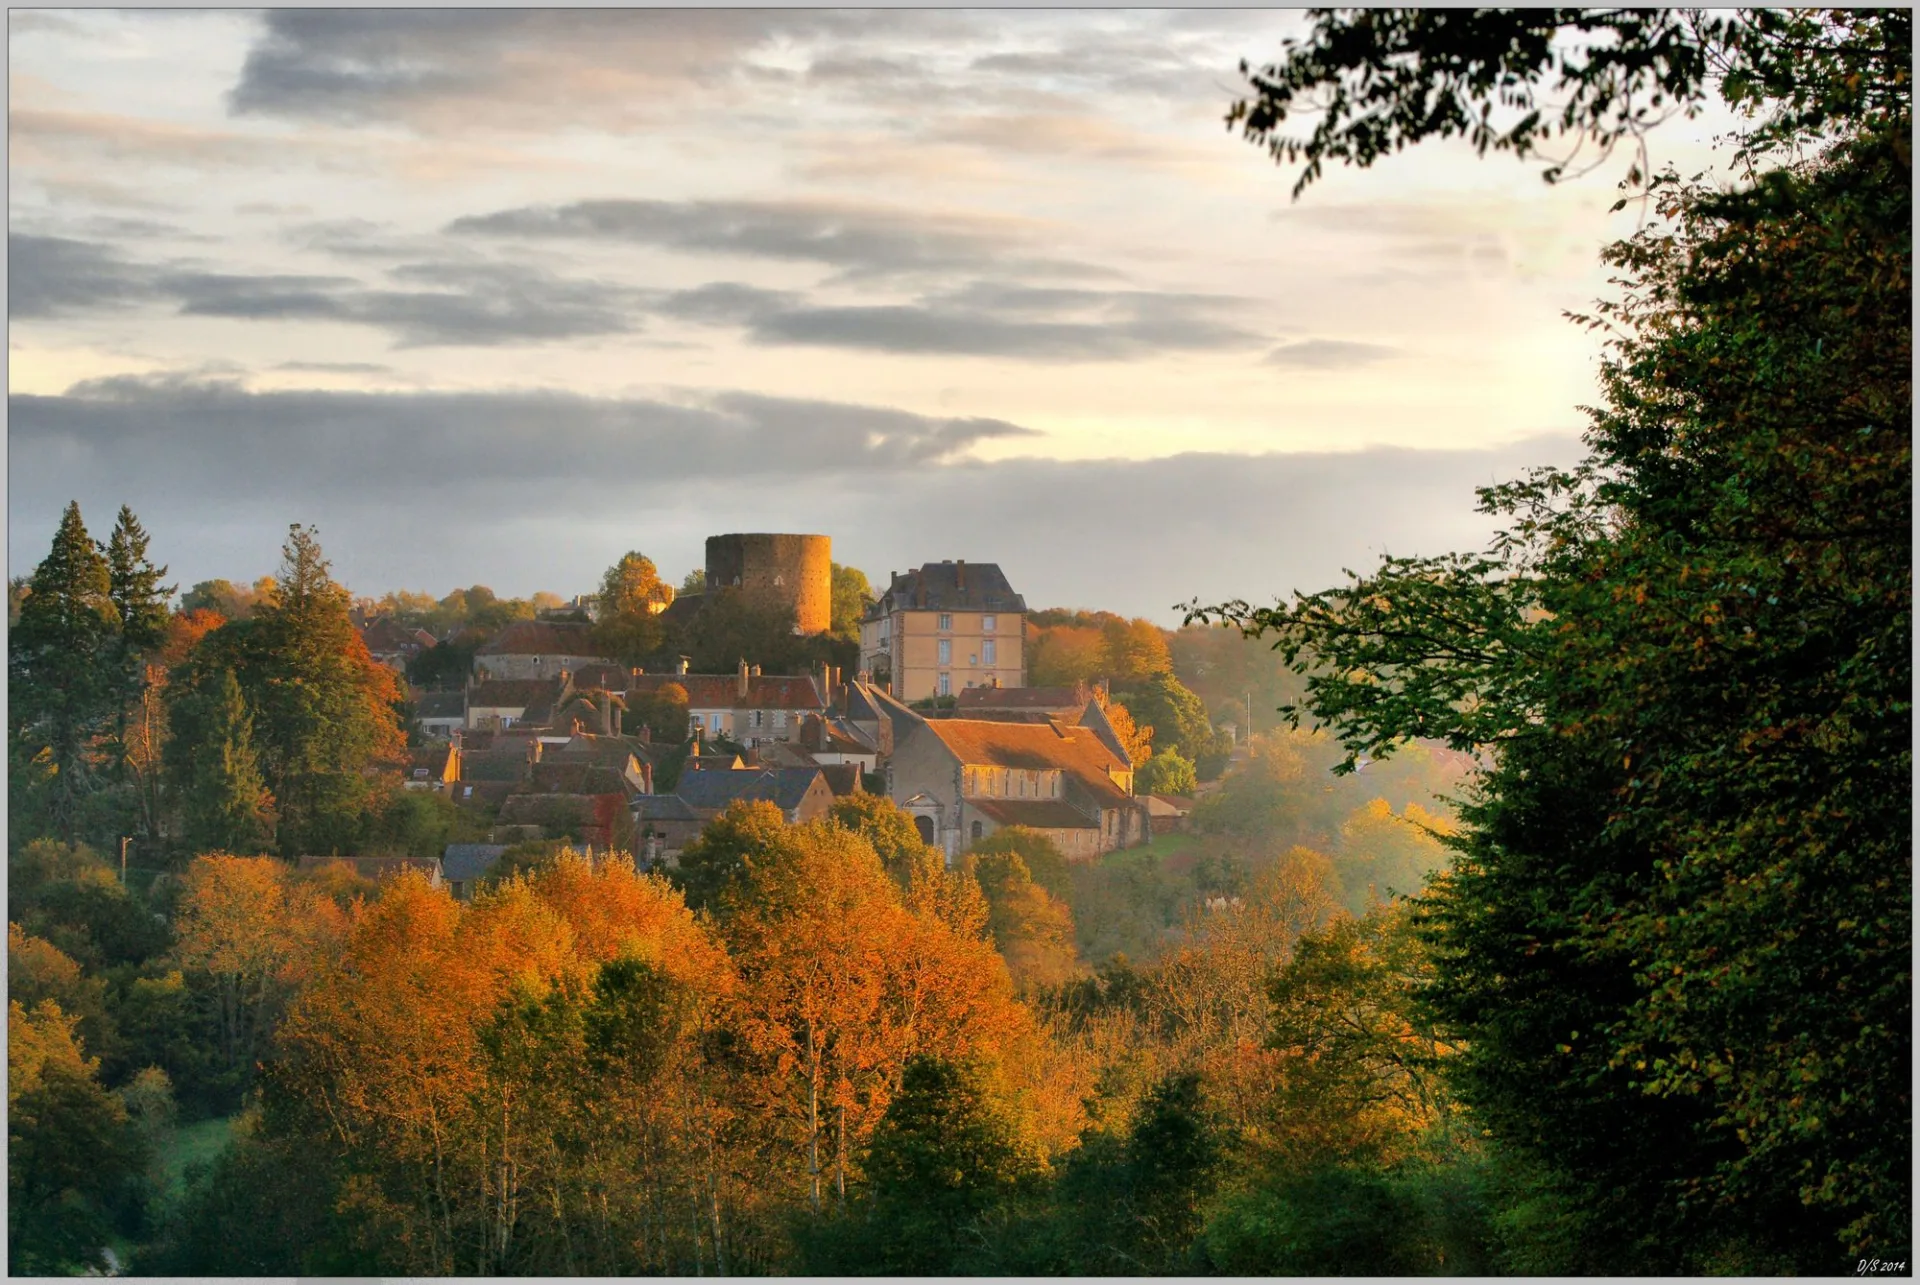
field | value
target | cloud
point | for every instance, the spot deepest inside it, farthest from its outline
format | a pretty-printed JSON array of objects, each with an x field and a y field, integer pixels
[
  {"x": 529, "y": 491},
  {"x": 1328, "y": 354},
  {"x": 462, "y": 303},
  {"x": 448, "y": 69},
  {"x": 1127, "y": 331},
  {"x": 51, "y": 276},
  {"x": 863, "y": 241},
  {"x": 335, "y": 367}
]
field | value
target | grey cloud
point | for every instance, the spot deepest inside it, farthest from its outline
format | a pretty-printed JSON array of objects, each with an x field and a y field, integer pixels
[
  {"x": 541, "y": 491},
  {"x": 727, "y": 303},
  {"x": 862, "y": 241},
  {"x": 1328, "y": 354},
  {"x": 466, "y": 303},
  {"x": 359, "y": 65},
  {"x": 336, "y": 367},
  {"x": 995, "y": 319},
  {"x": 50, "y": 276}
]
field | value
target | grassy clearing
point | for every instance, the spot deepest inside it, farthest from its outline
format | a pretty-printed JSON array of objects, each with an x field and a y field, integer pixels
[{"x": 202, "y": 1140}]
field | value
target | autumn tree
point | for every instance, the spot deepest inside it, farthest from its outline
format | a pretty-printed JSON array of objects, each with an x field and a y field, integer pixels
[
  {"x": 1032, "y": 928},
  {"x": 1166, "y": 773},
  {"x": 631, "y": 596},
  {"x": 851, "y": 596}
]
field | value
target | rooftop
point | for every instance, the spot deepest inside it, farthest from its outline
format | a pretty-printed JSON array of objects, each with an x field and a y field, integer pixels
[{"x": 949, "y": 586}]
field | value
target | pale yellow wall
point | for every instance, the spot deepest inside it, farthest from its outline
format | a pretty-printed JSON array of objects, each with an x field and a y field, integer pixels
[{"x": 916, "y": 637}]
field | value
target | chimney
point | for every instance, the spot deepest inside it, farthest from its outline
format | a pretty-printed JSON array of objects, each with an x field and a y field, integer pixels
[
  {"x": 960, "y": 575},
  {"x": 644, "y": 735},
  {"x": 756, "y": 671},
  {"x": 680, "y": 665},
  {"x": 607, "y": 714},
  {"x": 740, "y": 687}
]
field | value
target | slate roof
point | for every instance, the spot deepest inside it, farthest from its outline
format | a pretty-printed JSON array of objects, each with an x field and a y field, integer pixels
[
  {"x": 1041, "y": 746},
  {"x": 506, "y": 764},
  {"x": 605, "y": 676},
  {"x": 466, "y": 862},
  {"x": 441, "y": 705},
  {"x": 512, "y": 693},
  {"x": 842, "y": 778},
  {"x": 562, "y": 777},
  {"x": 542, "y": 638},
  {"x": 1037, "y": 814},
  {"x": 663, "y": 807},
  {"x": 859, "y": 708},
  {"x": 949, "y": 586},
  {"x": 784, "y": 787}
]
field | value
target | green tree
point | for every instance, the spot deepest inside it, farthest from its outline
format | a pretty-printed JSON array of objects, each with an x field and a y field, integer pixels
[
  {"x": 851, "y": 597},
  {"x": 1678, "y": 935},
  {"x": 1032, "y": 928},
  {"x": 323, "y": 711},
  {"x": 61, "y": 693},
  {"x": 721, "y": 861},
  {"x": 1166, "y": 773},
  {"x": 948, "y": 1149},
  {"x": 214, "y": 769}
]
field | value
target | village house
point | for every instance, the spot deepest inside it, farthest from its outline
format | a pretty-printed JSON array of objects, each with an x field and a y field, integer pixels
[
  {"x": 801, "y": 793},
  {"x": 440, "y": 714},
  {"x": 963, "y": 779},
  {"x": 537, "y": 649},
  {"x": 391, "y": 643},
  {"x": 746, "y": 707},
  {"x": 464, "y": 865},
  {"x": 944, "y": 628}
]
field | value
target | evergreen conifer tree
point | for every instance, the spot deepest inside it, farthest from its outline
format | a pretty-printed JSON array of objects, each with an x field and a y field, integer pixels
[
  {"x": 59, "y": 690},
  {"x": 215, "y": 769}
]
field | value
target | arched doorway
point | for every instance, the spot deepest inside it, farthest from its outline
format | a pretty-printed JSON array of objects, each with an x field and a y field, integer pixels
[{"x": 925, "y": 826}]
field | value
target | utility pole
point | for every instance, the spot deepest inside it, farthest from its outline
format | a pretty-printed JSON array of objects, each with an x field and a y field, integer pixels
[
  {"x": 1249, "y": 714},
  {"x": 124, "y": 840}
]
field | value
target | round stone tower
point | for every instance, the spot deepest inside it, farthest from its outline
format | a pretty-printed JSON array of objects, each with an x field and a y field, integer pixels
[{"x": 796, "y": 569}]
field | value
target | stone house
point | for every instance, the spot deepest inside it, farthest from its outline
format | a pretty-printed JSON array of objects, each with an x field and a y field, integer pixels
[
  {"x": 537, "y": 649},
  {"x": 963, "y": 779},
  {"x": 944, "y": 628}
]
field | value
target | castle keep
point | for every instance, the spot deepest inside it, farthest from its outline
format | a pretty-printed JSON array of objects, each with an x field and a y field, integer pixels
[{"x": 795, "y": 569}]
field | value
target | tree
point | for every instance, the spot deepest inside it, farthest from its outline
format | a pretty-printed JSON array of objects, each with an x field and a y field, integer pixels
[
  {"x": 1166, "y": 773},
  {"x": 631, "y": 596},
  {"x": 1032, "y": 928},
  {"x": 73, "y": 1159},
  {"x": 214, "y": 769},
  {"x": 1178, "y": 719},
  {"x": 61, "y": 690},
  {"x": 1133, "y": 651},
  {"x": 133, "y": 585},
  {"x": 1376, "y": 81},
  {"x": 949, "y": 1148},
  {"x": 323, "y": 709},
  {"x": 1136, "y": 738},
  {"x": 663, "y": 713},
  {"x": 733, "y": 625},
  {"x": 1682, "y": 895},
  {"x": 851, "y": 597},
  {"x": 715, "y": 866}
]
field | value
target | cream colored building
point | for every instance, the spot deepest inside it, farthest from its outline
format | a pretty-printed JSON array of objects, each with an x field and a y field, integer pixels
[{"x": 943, "y": 628}]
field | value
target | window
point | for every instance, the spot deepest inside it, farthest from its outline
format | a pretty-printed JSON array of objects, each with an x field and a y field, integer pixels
[
  {"x": 946, "y": 651},
  {"x": 986, "y": 625},
  {"x": 946, "y": 621},
  {"x": 976, "y": 831},
  {"x": 780, "y": 720},
  {"x": 988, "y": 649},
  {"x": 946, "y": 684}
]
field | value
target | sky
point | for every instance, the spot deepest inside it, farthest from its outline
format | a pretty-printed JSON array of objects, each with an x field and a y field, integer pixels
[{"x": 495, "y": 296}]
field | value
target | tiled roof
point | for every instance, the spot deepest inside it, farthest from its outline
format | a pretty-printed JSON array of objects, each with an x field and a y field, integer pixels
[
  {"x": 721, "y": 691},
  {"x": 842, "y": 778},
  {"x": 468, "y": 861},
  {"x": 1035, "y": 698},
  {"x": 1038, "y": 814},
  {"x": 949, "y": 586},
  {"x": 542, "y": 638},
  {"x": 1037, "y": 746},
  {"x": 512, "y": 693},
  {"x": 783, "y": 786},
  {"x": 386, "y": 637},
  {"x": 603, "y": 675}
]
